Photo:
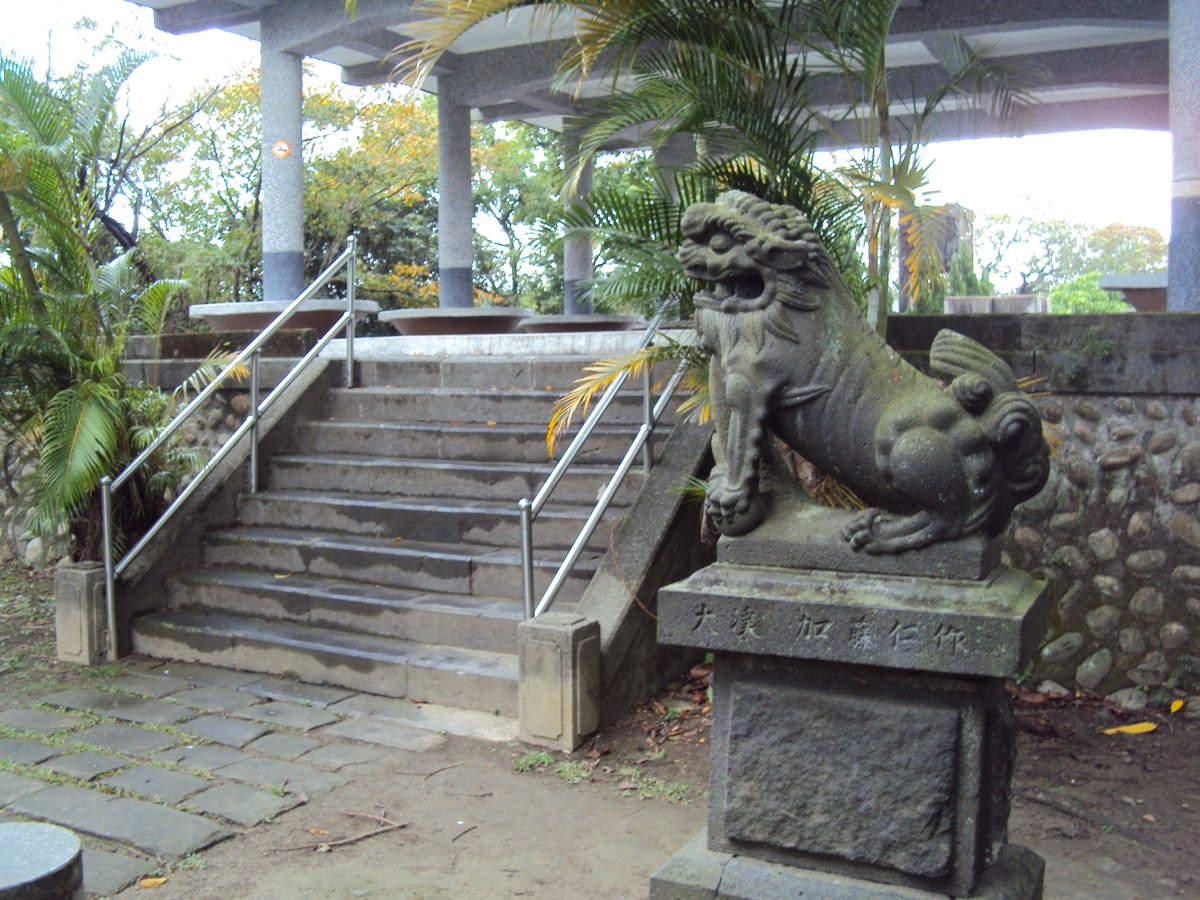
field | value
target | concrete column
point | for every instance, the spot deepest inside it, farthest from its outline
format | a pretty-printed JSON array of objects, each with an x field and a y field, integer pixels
[
  {"x": 456, "y": 203},
  {"x": 577, "y": 249},
  {"x": 1183, "y": 278},
  {"x": 677, "y": 152},
  {"x": 282, "y": 171}
]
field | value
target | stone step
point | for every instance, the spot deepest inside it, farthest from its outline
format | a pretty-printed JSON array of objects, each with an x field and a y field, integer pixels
[
  {"x": 417, "y": 565},
  {"x": 487, "y": 523},
  {"x": 555, "y": 374},
  {"x": 499, "y": 443},
  {"x": 452, "y": 406},
  {"x": 460, "y": 480},
  {"x": 471, "y": 679},
  {"x": 475, "y": 623}
]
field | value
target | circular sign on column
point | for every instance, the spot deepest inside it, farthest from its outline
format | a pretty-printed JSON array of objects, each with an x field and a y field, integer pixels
[{"x": 281, "y": 149}]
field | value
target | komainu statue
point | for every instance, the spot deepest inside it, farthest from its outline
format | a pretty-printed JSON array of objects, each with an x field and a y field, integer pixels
[{"x": 792, "y": 356}]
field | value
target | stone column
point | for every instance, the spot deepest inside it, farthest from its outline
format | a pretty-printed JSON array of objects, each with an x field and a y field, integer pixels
[
  {"x": 456, "y": 203},
  {"x": 677, "y": 152},
  {"x": 282, "y": 170},
  {"x": 1183, "y": 289},
  {"x": 577, "y": 249}
]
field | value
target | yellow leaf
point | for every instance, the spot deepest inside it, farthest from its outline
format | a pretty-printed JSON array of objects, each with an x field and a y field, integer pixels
[
  {"x": 491, "y": 423},
  {"x": 317, "y": 832},
  {"x": 1135, "y": 728},
  {"x": 1176, "y": 706},
  {"x": 151, "y": 882},
  {"x": 282, "y": 574}
]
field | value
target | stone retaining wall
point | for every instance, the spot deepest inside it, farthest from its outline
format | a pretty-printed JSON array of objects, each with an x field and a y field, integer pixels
[{"x": 1117, "y": 529}]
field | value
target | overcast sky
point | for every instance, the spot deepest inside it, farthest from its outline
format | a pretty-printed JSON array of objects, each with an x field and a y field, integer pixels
[{"x": 1095, "y": 177}]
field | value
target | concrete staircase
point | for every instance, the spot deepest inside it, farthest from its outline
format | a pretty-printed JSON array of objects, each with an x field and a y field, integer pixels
[{"x": 382, "y": 552}]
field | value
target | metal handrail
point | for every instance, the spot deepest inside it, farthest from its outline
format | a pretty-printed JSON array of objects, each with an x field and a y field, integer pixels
[
  {"x": 252, "y": 352},
  {"x": 642, "y": 443}
]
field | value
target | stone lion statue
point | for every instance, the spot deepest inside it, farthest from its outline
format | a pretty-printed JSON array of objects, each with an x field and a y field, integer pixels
[{"x": 792, "y": 356}]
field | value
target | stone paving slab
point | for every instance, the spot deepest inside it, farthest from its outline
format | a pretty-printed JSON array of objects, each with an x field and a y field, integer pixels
[
  {"x": 338, "y": 756},
  {"x": 287, "y": 715},
  {"x": 222, "y": 730},
  {"x": 147, "y": 826},
  {"x": 162, "y": 784},
  {"x": 146, "y": 684},
  {"x": 244, "y": 805},
  {"x": 215, "y": 698},
  {"x": 21, "y": 750},
  {"x": 206, "y": 757},
  {"x": 86, "y": 765},
  {"x": 388, "y": 733},
  {"x": 282, "y": 746},
  {"x": 40, "y": 721},
  {"x": 199, "y": 676},
  {"x": 297, "y": 691},
  {"x": 120, "y": 706},
  {"x": 13, "y": 787},
  {"x": 125, "y": 738},
  {"x": 107, "y": 873},
  {"x": 432, "y": 717},
  {"x": 287, "y": 776}
]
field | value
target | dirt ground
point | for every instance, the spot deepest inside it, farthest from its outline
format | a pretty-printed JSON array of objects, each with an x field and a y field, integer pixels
[{"x": 1115, "y": 816}]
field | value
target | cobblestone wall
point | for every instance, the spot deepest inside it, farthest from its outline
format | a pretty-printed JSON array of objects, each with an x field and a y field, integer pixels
[{"x": 1116, "y": 533}]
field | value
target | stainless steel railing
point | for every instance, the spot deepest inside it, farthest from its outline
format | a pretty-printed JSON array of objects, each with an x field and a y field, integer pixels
[
  {"x": 642, "y": 444},
  {"x": 253, "y": 353}
]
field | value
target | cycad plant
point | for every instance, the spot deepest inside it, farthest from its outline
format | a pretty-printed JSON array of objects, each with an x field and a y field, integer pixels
[{"x": 65, "y": 317}]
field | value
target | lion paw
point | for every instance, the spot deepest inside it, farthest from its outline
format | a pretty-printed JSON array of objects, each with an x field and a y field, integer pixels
[
  {"x": 733, "y": 510},
  {"x": 877, "y": 532}
]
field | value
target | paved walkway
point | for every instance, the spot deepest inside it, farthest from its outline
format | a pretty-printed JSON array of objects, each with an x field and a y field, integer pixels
[{"x": 156, "y": 764}]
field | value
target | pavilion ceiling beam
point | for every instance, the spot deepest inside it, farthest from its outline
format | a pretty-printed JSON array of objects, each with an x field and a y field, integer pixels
[
  {"x": 1136, "y": 65},
  {"x": 200, "y": 15},
  {"x": 989, "y": 15}
]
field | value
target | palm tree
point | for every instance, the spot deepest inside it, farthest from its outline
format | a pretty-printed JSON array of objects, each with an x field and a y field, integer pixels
[
  {"x": 65, "y": 316},
  {"x": 736, "y": 77}
]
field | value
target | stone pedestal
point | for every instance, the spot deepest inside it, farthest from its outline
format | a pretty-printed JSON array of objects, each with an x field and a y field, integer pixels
[
  {"x": 39, "y": 862},
  {"x": 80, "y": 626},
  {"x": 558, "y": 696},
  {"x": 861, "y": 730}
]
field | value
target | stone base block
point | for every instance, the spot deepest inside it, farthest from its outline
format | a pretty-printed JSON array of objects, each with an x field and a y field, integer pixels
[
  {"x": 79, "y": 620},
  {"x": 559, "y": 693},
  {"x": 697, "y": 873}
]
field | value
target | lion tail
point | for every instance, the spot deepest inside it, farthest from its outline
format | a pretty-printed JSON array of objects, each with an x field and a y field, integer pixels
[{"x": 984, "y": 386}]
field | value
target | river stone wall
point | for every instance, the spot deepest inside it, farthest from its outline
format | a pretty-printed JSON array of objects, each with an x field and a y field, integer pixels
[{"x": 1116, "y": 531}]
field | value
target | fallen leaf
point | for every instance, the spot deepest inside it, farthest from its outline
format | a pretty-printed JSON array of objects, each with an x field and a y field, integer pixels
[
  {"x": 317, "y": 832},
  {"x": 282, "y": 574},
  {"x": 491, "y": 423},
  {"x": 151, "y": 882},
  {"x": 1135, "y": 728},
  {"x": 627, "y": 786},
  {"x": 1149, "y": 818},
  {"x": 1176, "y": 706},
  {"x": 397, "y": 539}
]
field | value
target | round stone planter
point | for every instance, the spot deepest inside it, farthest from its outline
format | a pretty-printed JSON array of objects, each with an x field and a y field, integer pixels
[
  {"x": 467, "y": 320},
  {"x": 39, "y": 862},
  {"x": 316, "y": 314},
  {"x": 564, "y": 324}
]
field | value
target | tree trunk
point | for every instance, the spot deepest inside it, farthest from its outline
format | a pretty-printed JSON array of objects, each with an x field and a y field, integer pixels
[{"x": 12, "y": 235}]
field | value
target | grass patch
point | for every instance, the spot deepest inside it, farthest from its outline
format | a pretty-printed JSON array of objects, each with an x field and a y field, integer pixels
[
  {"x": 534, "y": 759},
  {"x": 571, "y": 771}
]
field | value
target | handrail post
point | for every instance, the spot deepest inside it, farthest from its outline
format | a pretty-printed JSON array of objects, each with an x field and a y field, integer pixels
[
  {"x": 648, "y": 421},
  {"x": 352, "y": 246},
  {"x": 254, "y": 358},
  {"x": 526, "y": 508},
  {"x": 110, "y": 597}
]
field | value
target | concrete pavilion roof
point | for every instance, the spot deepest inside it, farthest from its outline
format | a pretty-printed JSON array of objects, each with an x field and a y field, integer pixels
[{"x": 1106, "y": 60}]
